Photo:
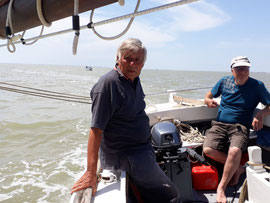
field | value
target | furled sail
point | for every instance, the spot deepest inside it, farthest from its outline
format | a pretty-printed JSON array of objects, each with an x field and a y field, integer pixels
[
  {"x": 17, "y": 16},
  {"x": 24, "y": 13}
]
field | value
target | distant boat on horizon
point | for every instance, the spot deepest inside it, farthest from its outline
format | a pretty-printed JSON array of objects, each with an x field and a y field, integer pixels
[{"x": 90, "y": 68}]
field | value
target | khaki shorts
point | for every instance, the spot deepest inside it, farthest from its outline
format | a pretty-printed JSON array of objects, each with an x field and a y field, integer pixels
[{"x": 222, "y": 136}]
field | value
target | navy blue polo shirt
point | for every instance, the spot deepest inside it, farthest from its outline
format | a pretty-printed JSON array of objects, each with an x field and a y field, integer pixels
[{"x": 118, "y": 109}]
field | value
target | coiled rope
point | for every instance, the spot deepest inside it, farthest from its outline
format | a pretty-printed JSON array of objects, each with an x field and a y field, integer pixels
[
  {"x": 186, "y": 132},
  {"x": 91, "y": 25},
  {"x": 122, "y": 33},
  {"x": 46, "y": 93}
]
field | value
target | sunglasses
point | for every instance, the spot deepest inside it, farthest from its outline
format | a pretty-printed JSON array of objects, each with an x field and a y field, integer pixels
[{"x": 241, "y": 68}]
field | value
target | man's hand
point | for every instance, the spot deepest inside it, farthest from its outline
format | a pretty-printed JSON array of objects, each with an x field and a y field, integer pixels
[
  {"x": 89, "y": 179},
  {"x": 257, "y": 122},
  {"x": 211, "y": 103},
  {"x": 208, "y": 100}
]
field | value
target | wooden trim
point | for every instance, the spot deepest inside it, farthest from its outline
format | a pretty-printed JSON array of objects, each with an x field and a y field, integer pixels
[{"x": 179, "y": 99}]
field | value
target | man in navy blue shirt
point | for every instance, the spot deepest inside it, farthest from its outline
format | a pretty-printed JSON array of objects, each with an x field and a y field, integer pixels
[
  {"x": 120, "y": 129},
  {"x": 228, "y": 137}
]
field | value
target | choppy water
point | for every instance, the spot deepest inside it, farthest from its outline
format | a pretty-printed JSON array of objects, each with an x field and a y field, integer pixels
[{"x": 43, "y": 142}]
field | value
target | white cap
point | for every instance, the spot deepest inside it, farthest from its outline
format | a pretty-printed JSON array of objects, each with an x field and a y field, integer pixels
[{"x": 240, "y": 61}]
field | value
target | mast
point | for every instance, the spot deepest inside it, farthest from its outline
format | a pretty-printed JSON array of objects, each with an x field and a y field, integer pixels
[{"x": 24, "y": 12}]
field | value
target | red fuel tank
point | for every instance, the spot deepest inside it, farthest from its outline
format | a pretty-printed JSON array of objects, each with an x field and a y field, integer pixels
[{"x": 204, "y": 177}]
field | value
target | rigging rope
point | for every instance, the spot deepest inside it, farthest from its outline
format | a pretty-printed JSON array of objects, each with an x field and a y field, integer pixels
[
  {"x": 140, "y": 13},
  {"x": 179, "y": 90},
  {"x": 48, "y": 94},
  {"x": 34, "y": 41},
  {"x": 64, "y": 96},
  {"x": 25, "y": 87},
  {"x": 122, "y": 33},
  {"x": 144, "y": 12},
  {"x": 42, "y": 20},
  {"x": 43, "y": 95},
  {"x": 9, "y": 30}
]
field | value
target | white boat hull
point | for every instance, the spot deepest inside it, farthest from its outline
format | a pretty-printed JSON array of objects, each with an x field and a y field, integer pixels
[
  {"x": 114, "y": 191},
  {"x": 192, "y": 113},
  {"x": 258, "y": 179}
]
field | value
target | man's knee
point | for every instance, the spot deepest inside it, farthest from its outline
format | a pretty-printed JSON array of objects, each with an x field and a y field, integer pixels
[
  {"x": 208, "y": 151},
  {"x": 235, "y": 152}
]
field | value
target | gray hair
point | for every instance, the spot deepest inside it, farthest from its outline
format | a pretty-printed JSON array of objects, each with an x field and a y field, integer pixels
[{"x": 131, "y": 44}]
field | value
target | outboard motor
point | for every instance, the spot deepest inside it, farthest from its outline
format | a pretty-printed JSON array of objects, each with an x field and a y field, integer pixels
[
  {"x": 172, "y": 158},
  {"x": 165, "y": 135}
]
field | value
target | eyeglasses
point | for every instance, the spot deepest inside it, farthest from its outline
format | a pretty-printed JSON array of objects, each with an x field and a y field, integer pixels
[{"x": 241, "y": 68}]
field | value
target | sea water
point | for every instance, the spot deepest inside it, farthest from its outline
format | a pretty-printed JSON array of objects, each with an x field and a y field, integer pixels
[{"x": 43, "y": 141}]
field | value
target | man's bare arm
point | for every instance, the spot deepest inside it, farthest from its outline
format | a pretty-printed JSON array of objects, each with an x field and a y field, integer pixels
[
  {"x": 209, "y": 101},
  {"x": 257, "y": 123},
  {"x": 89, "y": 178}
]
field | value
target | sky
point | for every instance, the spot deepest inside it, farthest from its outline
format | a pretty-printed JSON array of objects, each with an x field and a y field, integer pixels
[{"x": 202, "y": 36}]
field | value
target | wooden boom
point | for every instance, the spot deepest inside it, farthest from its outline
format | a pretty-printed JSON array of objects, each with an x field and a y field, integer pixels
[{"x": 24, "y": 12}]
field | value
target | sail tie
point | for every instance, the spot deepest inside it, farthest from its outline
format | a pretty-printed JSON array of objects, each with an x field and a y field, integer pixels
[
  {"x": 76, "y": 26},
  {"x": 40, "y": 14}
]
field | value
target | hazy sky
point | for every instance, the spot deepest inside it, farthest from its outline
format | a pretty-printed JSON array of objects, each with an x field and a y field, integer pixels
[{"x": 203, "y": 35}]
